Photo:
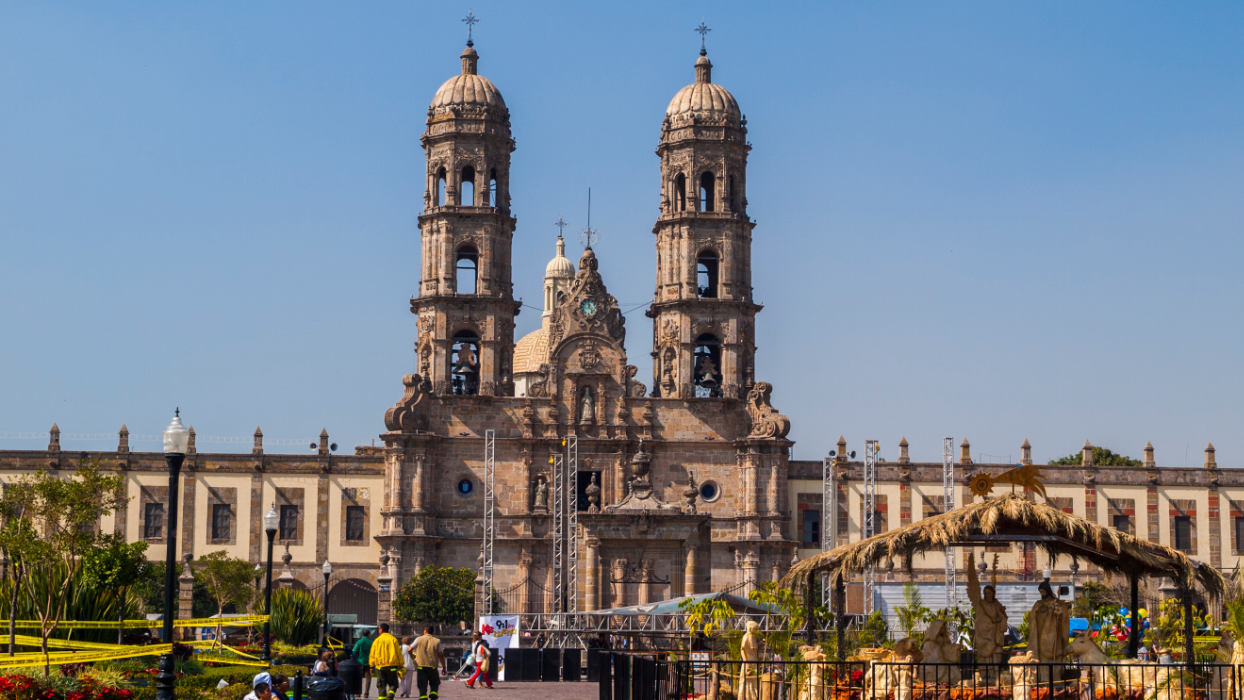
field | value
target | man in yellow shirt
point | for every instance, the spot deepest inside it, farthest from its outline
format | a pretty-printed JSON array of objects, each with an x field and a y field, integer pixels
[
  {"x": 386, "y": 660},
  {"x": 428, "y": 658}
]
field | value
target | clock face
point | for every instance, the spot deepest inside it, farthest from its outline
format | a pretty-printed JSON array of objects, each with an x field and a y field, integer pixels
[{"x": 588, "y": 307}]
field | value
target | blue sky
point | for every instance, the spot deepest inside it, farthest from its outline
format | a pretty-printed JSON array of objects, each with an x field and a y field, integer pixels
[{"x": 999, "y": 220}]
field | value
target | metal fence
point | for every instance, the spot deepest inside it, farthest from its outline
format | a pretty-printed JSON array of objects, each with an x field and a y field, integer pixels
[{"x": 653, "y": 677}]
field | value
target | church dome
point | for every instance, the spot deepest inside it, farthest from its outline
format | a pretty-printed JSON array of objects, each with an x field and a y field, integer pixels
[
  {"x": 703, "y": 98},
  {"x": 469, "y": 88},
  {"x": 531, "y": 351},
  {"x": 560, "y": 266}
]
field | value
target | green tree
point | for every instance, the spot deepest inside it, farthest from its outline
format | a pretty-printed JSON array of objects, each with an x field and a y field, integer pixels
[
  {"x": 1102, "y": 457},
  {"x": 63, "y": 514},
  {"x": 114, "y": 567},
  {"x": 228, "y": 580},
  {"x": 437, "y": 594},
  {"x": 912, "y": 613},
  {"x": 705, "y": 615}
]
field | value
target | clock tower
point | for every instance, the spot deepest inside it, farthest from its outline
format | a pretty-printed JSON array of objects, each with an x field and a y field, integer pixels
[{"x": 703, "y": 312}]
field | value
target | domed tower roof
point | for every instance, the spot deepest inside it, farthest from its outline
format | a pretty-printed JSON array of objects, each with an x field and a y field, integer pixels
[
  {"x": 470, "y": 89},
  {"x": 703, "y": 99},
  {"x": 560, "y": 266}
]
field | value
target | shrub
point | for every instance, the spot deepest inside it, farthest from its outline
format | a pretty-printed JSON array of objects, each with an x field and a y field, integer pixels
[{"x": 297, "y": 616}]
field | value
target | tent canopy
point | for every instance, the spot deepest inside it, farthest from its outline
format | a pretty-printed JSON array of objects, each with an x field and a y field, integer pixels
[
  {"x": 668, "y": 607},
  {"x": 1013, "y": 518}
]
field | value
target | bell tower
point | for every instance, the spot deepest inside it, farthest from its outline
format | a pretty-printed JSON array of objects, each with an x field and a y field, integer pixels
[
  {"x": 466, "y": 306},
  {"x": 703, "y": 313}
]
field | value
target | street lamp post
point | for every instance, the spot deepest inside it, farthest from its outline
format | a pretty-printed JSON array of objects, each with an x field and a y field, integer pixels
[
  {"x": 328, "y": 571},
  {"x": 176, "y": 441},
  {"x": 270, "y": 521}
]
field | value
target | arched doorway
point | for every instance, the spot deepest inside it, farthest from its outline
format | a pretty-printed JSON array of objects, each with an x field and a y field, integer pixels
[{"x": 356, "y": 597}]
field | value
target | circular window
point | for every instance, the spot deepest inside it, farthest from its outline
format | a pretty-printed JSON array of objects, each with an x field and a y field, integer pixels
[
  {"x": 709, "y": 491},
  {"x": 465, "y": 486}
]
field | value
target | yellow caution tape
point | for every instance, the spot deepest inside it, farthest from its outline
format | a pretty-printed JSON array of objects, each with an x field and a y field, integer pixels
[
  {"x": 240, "y": 653},
  {"x": 246, "y": 621},
  {"x": 112, "y": 652}
]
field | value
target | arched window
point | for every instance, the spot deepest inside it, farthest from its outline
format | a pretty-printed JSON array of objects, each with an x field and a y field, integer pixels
[
  {"x": 492, "y": 188},
  {"x": 680, "y": 192},
  {"x": 440, "y": 187},
  {"x": 466, "y": 191},
  {"x": 708, "y": 183},
  {"x": 707, "y": 368},
  {"x": 467, "y": 270},
  {"x": 706, "y": 274},
  {"x": 465, "y": 368}
]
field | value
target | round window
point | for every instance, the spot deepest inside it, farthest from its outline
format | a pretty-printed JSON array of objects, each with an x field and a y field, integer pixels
[
  {"x": 709, "y": 491},
  {"x": 465, "y": 487}
]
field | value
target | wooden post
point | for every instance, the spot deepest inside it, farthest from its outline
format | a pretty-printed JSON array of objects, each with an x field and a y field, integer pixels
[
  {"x": 840, "y": 614},
  {"x": 1189, "y": 657},
  {"x": 1133, "y": 640}
]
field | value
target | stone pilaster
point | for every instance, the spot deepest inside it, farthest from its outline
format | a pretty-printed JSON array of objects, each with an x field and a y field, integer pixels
[
  {"x": 591, "y": 578},
  {"x": 691, "y": 573},
  {"x": 185, "y": 526},
  {"x": 904, "y": 504},
  {"x": 384, "y": 587},
  {"x": 257, "y": 537},
  {"x": 185, "y": 591},
  {"x": 321, "y": 530}
]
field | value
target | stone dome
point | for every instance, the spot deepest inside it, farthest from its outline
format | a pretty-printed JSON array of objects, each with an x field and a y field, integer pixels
[
  {"x": 468, "y": 89},
  {"x": 703, "y": 98},
  {"x": 560, "y": 266},
  {"x": 531, "y": 351}
]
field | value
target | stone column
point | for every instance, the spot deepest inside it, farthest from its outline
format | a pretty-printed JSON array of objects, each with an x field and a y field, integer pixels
[
  {"x": 321, "y": 513},
  {"x": 751, "y": 562},
  {"x": 645, "y": 582},
  {"x": 185, "y": 593},
  {"x": 384, "y": 594},
  {"x": 592, "y": 575},
  {"x": 690, "y": 571}
]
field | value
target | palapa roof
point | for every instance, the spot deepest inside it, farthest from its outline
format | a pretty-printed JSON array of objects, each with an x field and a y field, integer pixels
[{"x": 1013, "y": 518}]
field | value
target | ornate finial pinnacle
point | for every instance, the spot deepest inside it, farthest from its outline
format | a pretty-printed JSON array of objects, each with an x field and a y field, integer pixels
[
  {"x": 561, "y": 225},
  {"x": 470, "y": 21},
  {"x": 703, "y": 31},
  {"x": 177, "y": 412}
]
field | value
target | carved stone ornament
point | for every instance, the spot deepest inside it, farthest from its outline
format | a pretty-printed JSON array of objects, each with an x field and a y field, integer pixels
[
  {"x": 406, "y": 415},
  {"x": 593, "y": 495},
  {"x": 589, "y": 356},
  {"x": 540, "y": 387},
  {"x": 588, "y": 307},
  {"x": 634, "y": 388},
  {"x": 641, "y": 496},
  {"x": 766, "y": 421}
]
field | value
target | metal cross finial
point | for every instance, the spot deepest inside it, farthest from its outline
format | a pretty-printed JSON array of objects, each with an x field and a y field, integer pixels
[
  {"x": 589, "y": 233},
  {"x": 561, "y": 225},
  {"x": 703, "y": 31},
  {"x": 470, "y": 21}
]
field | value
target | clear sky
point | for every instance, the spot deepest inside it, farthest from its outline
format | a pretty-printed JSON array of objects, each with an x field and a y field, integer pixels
[{"x": 1003, "y": 220}]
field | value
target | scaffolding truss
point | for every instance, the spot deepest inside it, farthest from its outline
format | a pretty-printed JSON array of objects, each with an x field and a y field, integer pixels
[
  {"x": 559, "y": 533},
  {"x": 870, "y": 513},
  {"x": 829, "y": 518},
  {"x": 948, "y": 504},
  {"x": 490, "y": 520},
  {"x": 572, "y": 524}
]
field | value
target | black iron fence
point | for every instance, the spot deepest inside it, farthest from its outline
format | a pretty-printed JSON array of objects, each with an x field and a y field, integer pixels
[{"x": 625, "y": 676}]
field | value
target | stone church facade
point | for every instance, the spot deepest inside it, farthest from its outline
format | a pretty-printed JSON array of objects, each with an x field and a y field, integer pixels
[{"x": 685, "y": 485}]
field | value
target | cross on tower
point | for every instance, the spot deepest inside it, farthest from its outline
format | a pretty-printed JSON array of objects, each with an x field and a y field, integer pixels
[
  {"x": 561, "y": 225},
  {"x": 588, "y": 235},
  {"x": 470, "y": 21},
  {"x": 703, "y": 31}
]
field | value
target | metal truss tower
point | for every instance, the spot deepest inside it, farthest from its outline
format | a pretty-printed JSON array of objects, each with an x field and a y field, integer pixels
[
  {"x": 490, "y": 507},
  {"x": 870, "y": 511},
  {"x": 829, "y": 518},
  {"x": 948, "y": 504},
  {"x": 572, "y": 524},
  {"x": 559, "y": 532}
]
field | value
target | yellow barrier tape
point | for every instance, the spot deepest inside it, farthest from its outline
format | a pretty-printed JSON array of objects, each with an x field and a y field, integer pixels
[
  {"x": 33, "y": 659},
  {"x": 232, "y": 661},
  {"x": 240, "y": 653},
  {"x": 246, "y": 621},
  {"x": 26, "y": 640}
]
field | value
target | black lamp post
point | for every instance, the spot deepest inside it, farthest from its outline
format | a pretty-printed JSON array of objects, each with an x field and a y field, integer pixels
[
  {"x": 176, "y": 441},
  {"x": 270, "y": 522},
  {"x": 328, "y": 571}
]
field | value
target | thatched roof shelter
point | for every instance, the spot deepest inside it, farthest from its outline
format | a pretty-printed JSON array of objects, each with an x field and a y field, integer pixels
[{"x": 1012, "y": 518}]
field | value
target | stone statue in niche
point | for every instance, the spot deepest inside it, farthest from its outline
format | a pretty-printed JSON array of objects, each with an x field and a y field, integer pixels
[
  {"x": 587, "y": 405},
  {"x": 593, "y": 495},
  {"x": 540, "y": 501}
]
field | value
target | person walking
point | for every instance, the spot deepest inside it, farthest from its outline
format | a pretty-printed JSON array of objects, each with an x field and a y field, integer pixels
[
  {"x": 428, "y": 657},
  {"x": 361, "y": 653},
  {"x": 385, "y": 660},
  {"x": 479, "y": 653},
  {"x": 408, "y": 662}
]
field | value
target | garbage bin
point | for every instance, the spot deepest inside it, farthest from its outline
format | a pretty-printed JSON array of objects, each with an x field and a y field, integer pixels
[
  {"x": 326, "y": 689},
  {"x": 350, "y": 673}
]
